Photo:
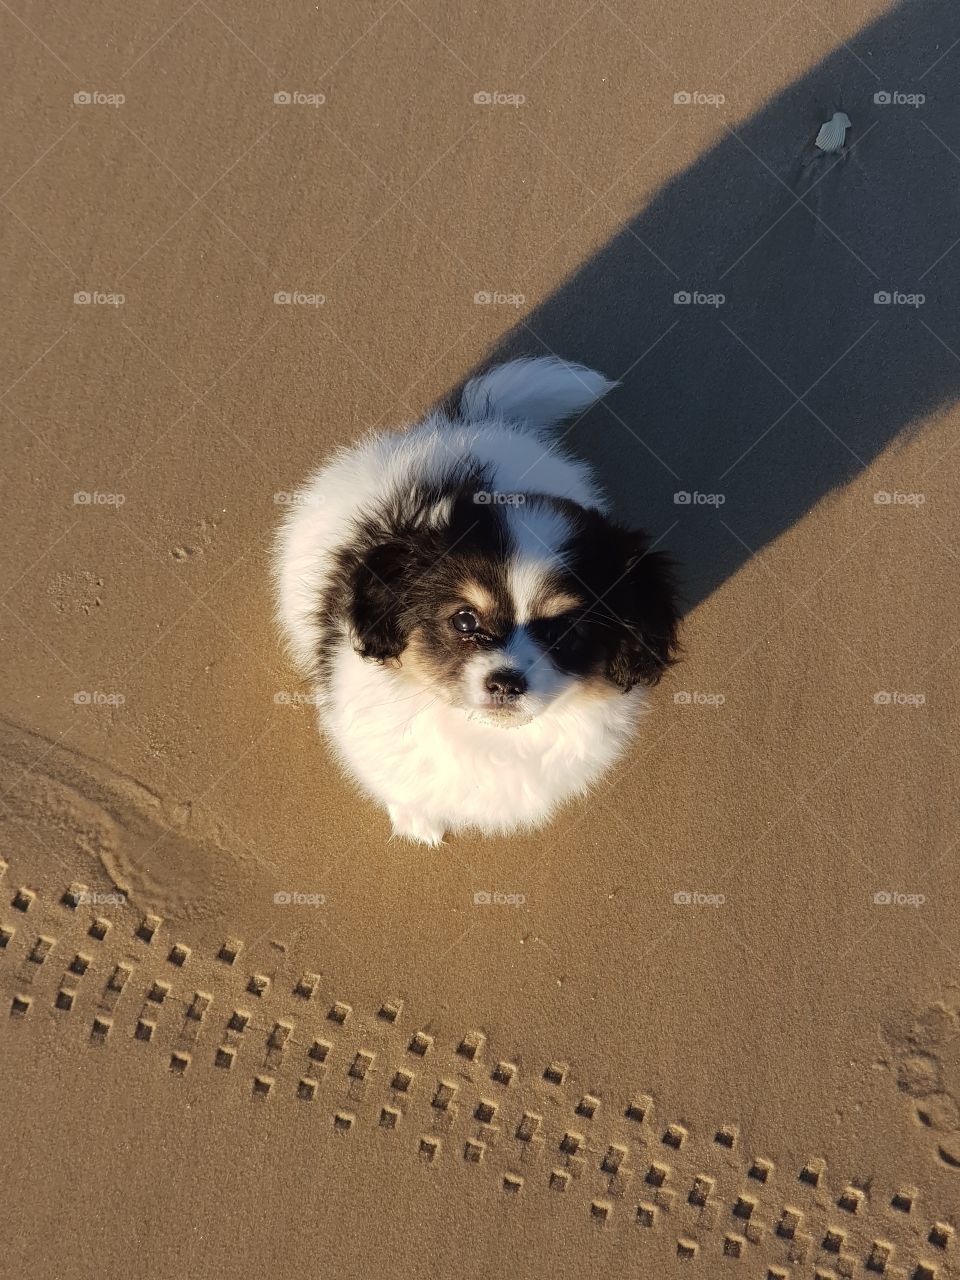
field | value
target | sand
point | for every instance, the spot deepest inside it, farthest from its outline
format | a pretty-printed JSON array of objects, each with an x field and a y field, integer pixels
[{"x": 724, "y": 1021}]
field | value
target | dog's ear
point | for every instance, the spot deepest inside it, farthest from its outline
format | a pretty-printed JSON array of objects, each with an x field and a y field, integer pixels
[
  {"x": 647, "y": 608},
  {"x": 379, "y": 599}
]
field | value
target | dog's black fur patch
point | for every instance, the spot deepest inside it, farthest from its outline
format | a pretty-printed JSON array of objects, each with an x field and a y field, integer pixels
[{"x": 632, "y": 604}]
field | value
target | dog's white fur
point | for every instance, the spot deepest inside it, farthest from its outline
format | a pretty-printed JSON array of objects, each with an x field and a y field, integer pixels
[{"x": 434, "y": 765}]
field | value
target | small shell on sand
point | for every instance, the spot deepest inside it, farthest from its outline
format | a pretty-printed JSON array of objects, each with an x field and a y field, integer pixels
[{"x": 832, "y": 134}]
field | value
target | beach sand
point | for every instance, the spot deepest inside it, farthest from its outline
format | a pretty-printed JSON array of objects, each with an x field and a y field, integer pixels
[{"x": 717, "y": 1024}]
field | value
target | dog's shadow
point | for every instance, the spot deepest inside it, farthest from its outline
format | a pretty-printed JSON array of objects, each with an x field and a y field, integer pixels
[{"x": 734, "y": 418}]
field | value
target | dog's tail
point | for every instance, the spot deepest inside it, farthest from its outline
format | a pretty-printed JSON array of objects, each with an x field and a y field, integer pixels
[{"x": 540, "y": 392}]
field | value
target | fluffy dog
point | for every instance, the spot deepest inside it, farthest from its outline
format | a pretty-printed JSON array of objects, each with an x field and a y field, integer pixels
[{"x": 475, "y": 627}]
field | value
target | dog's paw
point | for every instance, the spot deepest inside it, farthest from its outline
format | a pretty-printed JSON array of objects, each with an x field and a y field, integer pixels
[{"x": 408, "y": 824}]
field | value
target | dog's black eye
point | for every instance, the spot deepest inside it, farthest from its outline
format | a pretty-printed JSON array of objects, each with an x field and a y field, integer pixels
[{"x": 465, "y": 621}]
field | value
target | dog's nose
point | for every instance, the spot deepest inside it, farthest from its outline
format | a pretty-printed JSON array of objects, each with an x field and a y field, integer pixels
[{"x": 506, "y": 683}]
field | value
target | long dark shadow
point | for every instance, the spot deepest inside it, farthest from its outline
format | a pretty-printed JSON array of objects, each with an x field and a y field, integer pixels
[{"x": 800, "y": 378}]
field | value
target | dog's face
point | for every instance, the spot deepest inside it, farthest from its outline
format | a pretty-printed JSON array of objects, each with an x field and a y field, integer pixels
[{"x": 501, "y": 608}]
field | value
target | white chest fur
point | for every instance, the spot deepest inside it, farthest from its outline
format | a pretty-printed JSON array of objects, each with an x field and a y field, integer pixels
[{"x": 437, "y": 770}]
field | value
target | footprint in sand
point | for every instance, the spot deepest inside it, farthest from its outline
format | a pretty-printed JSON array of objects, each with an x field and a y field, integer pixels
[
  {"x": 926, "y": 1060},
  {"x": 206, "y": 531},
  {"x": 77, "y": 815}
]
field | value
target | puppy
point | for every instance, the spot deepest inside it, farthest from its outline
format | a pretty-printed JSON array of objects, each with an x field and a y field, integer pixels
[{"x": 476, "y": 629}]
